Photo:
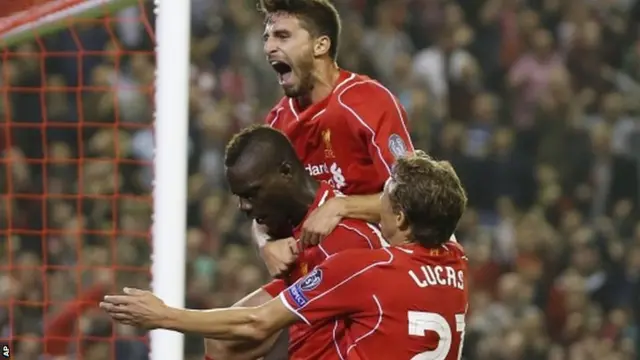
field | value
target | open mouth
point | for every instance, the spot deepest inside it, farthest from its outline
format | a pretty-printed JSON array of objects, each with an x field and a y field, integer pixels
[{"x": 283, "y": 70}]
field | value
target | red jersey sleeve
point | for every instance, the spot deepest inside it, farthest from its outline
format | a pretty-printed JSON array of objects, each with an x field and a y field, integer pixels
[
  {"x": 328, "y": 291},
  {"x": 275, "y": 287},
  {"x": 381, "y": 119}
]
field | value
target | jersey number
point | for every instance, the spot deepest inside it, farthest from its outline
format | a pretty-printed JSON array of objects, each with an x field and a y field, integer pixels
[{"x": 421, "y": 322}]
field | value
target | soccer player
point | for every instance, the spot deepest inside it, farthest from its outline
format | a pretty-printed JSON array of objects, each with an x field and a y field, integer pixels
[
  {"x": 273, "y": 187},
  {"x": 404, "y": 302},
  {"x": 346, "y": 128}
]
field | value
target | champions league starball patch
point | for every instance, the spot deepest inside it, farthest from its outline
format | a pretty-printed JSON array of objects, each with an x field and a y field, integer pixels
[
  {"x": 311, "y": 281},
  {"x": 397, "y": 146}
]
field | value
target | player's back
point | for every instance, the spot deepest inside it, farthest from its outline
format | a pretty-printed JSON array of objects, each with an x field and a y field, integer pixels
[{"x": 417, "y": 306}]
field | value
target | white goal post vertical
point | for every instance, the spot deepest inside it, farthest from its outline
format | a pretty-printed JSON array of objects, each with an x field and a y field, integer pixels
[
  {"x": 171, "y": 132},
  {"x": 173, "y": 24}
]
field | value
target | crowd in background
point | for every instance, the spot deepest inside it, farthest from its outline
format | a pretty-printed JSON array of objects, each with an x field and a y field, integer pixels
[{"x": 535, "y": 102}]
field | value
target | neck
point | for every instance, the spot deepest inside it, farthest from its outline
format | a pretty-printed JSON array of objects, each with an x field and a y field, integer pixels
[
  {"x": 324, "y": 78},
  {"x": 305, "y": 192}
]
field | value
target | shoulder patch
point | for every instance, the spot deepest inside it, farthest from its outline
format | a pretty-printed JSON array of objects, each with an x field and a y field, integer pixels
[
  {"x": 397, "y": 146},
  {"x": 312, "y": 280}
]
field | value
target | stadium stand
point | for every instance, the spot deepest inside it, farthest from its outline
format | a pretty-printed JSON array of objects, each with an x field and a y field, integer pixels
[{"x": 535, "y": 102}]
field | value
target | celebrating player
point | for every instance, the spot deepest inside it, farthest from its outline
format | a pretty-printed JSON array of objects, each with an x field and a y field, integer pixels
[
  {"x": 275, "y": 189},
  {"x": 404, "y": 302},
  {"x": 346, "y": 128}
]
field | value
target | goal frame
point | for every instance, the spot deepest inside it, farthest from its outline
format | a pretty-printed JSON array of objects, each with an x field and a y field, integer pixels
[{"x": 173, "y": 22}]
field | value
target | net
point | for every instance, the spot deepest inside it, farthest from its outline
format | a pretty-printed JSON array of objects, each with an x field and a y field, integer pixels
[{"x": 76, "y": 142}]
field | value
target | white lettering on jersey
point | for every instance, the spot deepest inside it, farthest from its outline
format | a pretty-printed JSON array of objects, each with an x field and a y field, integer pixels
[
  {"x": 438, "y": 275},
  {"x": 337, "y": 180},
  {"x": 317, "y": 170}
]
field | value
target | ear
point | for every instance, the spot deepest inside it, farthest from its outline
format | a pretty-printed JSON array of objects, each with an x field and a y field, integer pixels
[
  {"x": 401, "y": 221},
  {"x": 321, "y": 46}
]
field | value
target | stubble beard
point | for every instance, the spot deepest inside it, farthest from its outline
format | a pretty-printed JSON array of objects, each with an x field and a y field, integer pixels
[{"x": 305, "y": 80}]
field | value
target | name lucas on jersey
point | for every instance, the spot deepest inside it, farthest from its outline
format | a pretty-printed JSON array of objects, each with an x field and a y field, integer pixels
[{"x": 438, "y": 275}]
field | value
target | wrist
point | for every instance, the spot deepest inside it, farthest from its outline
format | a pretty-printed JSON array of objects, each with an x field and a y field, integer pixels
[
  {"x": 170, "y": 318},
  {"x": 342, "y": 206}
]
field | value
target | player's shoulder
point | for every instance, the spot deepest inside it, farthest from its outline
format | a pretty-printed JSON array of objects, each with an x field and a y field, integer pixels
[
  {"x": 278, "y": 112},
  {"x": 360, "y": 87},
  {"x": 360, "y": 229},
  {"x": 356, "y": 260}
]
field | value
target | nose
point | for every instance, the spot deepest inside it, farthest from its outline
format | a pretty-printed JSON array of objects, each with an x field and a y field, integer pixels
[
  {"x": 245, "y": 206},
  {"x": 269, "y": 46}
]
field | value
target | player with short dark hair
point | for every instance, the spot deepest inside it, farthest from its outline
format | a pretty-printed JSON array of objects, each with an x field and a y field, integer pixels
[
  {"x": 346, "y": 128},
  {"x": 274, "y": 189},
  {"x": 404, "y": 302}
]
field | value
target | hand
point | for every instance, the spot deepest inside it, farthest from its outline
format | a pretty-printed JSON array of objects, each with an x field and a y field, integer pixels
[
  {"x": 322, "y": 221},
  {"x": 138, "y": 308},
  {"x": 278, "y": 255}
]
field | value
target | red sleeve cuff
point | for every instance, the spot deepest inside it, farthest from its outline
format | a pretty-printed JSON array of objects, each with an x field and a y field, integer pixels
[{"x": 292, "y": 305}]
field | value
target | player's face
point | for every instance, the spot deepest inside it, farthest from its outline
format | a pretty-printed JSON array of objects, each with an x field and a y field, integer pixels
[
  {"x": 263, "y": 196},
  {"x": 390, "y": 221},
  {"x": 289, "y": 49}
]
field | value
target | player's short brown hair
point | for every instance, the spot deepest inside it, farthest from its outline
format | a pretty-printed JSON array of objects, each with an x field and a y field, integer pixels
[
  {"x": 430, "y": 195},
  {"x": 319, "y": 17},
  {"x": 269, "y": 145}
]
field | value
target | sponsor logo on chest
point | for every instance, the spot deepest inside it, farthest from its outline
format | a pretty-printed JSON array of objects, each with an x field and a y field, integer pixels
[{"x": 334, "y": 172}]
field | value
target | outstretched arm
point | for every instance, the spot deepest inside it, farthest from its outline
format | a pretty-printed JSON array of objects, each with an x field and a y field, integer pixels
[
  {"x": 255, "y": 323},
  {"x": 249, "y": 350},
  {"x": 143, "y": 309}
]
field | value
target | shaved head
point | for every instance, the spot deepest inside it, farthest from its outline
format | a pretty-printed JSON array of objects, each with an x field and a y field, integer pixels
[{"x": 262, "y": 149}]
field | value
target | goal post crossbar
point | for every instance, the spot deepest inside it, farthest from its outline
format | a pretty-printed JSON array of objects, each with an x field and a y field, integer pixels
[{"x": 53, "y": 16}]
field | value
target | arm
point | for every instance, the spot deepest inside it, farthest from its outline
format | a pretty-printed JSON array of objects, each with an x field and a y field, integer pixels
[
  {"x": 384, "y": 125},
  {"x": 251, "y": 323},
  {"x": 328, "y": 291},
  {"x": 362, "y": 207},
  {"x": 325, "y": 292},
  {"x": 249, "y": 350},
  {"x": 143, "y": 309},
  {"x": 381, "y": 121}
]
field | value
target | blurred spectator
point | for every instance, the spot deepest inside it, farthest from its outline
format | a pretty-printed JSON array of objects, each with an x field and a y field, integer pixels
[{"x": 535, "y": 102}]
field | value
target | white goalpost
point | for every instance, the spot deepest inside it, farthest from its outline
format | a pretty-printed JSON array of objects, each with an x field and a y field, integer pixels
[
  {"x": 170, "y": 192},
  {"x": 171, "y": 134}
]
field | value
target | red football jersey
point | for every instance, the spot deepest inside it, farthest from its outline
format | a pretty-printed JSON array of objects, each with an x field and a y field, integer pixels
[
  {"x": 351, "y": 138},
  {"x": 400, "y": 303},
  {"x": 313, "y": 342}
]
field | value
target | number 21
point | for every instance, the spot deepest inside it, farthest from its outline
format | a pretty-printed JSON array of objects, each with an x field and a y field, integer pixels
[{"x": 421, "y": 322}]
